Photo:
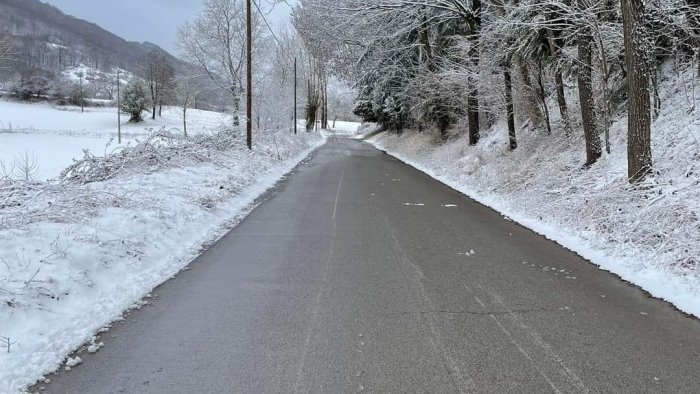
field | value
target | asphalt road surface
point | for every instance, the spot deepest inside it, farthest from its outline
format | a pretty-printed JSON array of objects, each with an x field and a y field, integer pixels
[{"x": 358, "y": 273}]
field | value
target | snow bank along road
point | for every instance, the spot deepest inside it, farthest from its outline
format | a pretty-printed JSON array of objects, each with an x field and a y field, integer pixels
[{"x": 360, "y": 273}]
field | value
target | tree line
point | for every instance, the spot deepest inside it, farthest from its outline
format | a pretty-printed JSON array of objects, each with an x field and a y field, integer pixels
[
  {"x": 449, "y": 63},
  {"x": 211, "y": 76}
]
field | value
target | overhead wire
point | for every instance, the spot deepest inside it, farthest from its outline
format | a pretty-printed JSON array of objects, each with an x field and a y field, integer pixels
[{"x": 269, "y": 28}]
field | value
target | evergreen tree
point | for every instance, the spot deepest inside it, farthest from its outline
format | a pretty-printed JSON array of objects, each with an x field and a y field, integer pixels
[{"x": 134, "y": 101}]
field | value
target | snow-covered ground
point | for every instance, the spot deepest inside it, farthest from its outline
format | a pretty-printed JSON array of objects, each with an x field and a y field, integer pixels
[
  {"x": 648, "y": 236},
  {"x": 54, "y": 136},
  {"x": 345, "y": 128},
  {"x": 74, "y": 256}
]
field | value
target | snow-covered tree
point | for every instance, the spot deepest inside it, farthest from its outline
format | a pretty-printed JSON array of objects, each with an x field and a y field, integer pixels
[
  {"x": 159, "y": 75},
  {"x": 639, "y": 115},
  {"x": 462, "y": 65},
  {"x": 187, "y": 87},
  {"x": 216, "y": 42},
  {"x": 7, "y": 54},
  {"x": 133, "y": 101}
]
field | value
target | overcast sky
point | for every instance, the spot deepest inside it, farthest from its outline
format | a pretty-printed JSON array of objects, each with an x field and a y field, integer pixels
[{"x": 156, "y": 21}]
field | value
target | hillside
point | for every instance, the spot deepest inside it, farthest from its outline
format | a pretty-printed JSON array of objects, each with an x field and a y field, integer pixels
[{"x": 46, "y": 38}]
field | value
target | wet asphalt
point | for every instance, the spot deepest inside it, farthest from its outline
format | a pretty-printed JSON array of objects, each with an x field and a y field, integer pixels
[{"x": 358, "y": 273}]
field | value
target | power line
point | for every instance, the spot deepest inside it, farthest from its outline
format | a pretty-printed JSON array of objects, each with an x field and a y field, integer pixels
[
  {"x": 269, "y": 28},
  {"x": 286, "y": 53}
]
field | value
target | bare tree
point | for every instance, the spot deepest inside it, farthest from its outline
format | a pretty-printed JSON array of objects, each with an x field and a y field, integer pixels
[
  {"x": 315, "y": 83},
  {"x": 187, "y": 88},
  {"x": 81, "y": 90},
  {"x": 105, "y": 85},
  {"x": 585, "y": 91},
  {"x": 165, "y": 86},
  {"x": 27, "y": 166},
  {"x": 159, "y": 75},
  {"x": 473, "y": 17},
  {"x": 639, "y": 162},
  {"x": 216, "y": 42},
  {"x": 7, "y": 54}
]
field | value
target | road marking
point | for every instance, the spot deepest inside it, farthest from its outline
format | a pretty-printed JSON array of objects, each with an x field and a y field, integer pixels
[{"x": 337, "y": 195}]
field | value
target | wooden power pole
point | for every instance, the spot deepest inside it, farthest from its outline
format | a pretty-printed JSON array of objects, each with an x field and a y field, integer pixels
[
  {"x": 249, "y": 74},
  {"x": 295, "y": 95},
  {"x": 119, "y": 120}
]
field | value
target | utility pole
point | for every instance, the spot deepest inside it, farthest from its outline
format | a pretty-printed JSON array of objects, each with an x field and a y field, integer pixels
[
  {"x": 249, "y": 72},
  {"x": 82, "y": 101},
  {"x": 119, "y": 120},
  {"x": 295, "y": 95}
]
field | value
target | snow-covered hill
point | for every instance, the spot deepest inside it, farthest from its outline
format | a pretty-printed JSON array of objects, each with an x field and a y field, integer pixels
[{"x": 45, "y": 38}]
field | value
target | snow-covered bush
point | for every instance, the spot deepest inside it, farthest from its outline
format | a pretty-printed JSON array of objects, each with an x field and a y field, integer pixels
[
  {"x": 162, "y": 149},
  {"x": 134, "y": 101}
]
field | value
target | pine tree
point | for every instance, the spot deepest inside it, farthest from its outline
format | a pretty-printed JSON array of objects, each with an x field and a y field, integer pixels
[{"x": 134, "y": 101}]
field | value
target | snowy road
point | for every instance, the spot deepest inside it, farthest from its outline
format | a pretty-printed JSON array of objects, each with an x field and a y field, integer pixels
[{"x": 361, "y": 274}]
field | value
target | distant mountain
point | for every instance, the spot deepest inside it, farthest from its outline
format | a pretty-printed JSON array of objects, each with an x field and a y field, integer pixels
[{"x": 47, "y": 39}]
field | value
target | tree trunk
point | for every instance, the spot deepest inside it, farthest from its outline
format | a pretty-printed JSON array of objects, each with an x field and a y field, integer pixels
[
  {"x": 510, "y": 113},
  {"x": 639, "y": 162},
  {"x": 311, "y": 117},
  {"x": 154, "y": 98},
  {"x": 325, "y": 98},
  {"x": 530, "y": 97},
  {"x": 561, "y": 101},
  {"x": 184, "y": 121},
  {"x": 542, "y": 97},
  {"x": 473, "y": 117},
  {"x": 657, "y": 97},
  {"x": 473, "y": 99},
  {"x": 236, "y": 109},
  {"x": 82, "y": 100},
  {"x": 324, "y": 109},
  {"x": 559, "y": 81},
  {"x": 693, "y": 15},
  {"x": 585, "y": 92}
]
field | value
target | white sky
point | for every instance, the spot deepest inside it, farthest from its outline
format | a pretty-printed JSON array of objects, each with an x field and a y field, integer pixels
[{"x": 156, "y": 21}]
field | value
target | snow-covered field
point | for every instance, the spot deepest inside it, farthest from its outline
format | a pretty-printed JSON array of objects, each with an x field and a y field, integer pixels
[
  {"x": 648, "y": 236},
  {"x": 74, "y": 256},
  {"x": 54, "y": 136}
]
